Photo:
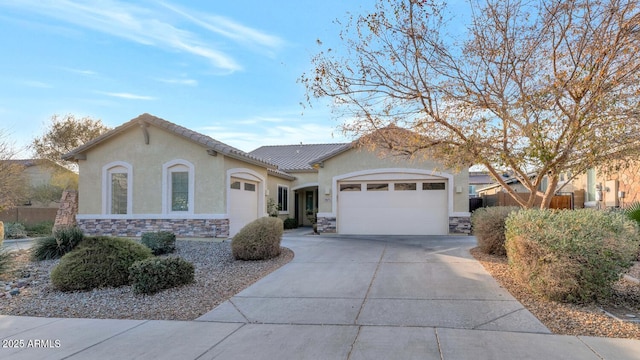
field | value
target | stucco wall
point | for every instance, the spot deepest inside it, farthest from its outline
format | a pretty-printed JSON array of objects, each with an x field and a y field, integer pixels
[
  {"x": 146, "y": 161},
  {"x": 272, "y": 191},
  {"x": 358, "y": 160},
  {"x": 628, "y": 181}
]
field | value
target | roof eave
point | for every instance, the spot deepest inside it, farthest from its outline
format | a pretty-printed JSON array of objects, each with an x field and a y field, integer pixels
[{"x": 328, "y": 156}]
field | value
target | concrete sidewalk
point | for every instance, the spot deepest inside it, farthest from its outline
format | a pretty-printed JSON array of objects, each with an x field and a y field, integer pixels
[{"x": 340, "y": 298}]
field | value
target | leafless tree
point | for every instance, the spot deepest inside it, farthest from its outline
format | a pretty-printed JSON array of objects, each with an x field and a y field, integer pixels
[{"x": 535, "y": 87}]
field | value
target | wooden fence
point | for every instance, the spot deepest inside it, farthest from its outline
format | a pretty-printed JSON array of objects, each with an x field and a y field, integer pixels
[
  {"x": 29, "y": 215},
  {"x": 562, "y": 201}
]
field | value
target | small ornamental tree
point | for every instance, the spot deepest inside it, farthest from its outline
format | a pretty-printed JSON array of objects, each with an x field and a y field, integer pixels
[{"x": 64, "y": 134}]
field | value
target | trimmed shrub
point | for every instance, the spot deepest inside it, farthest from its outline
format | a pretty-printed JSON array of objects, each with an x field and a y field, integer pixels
[
  {"x": 14, "y": 230},
  {"x": 571, "y": 256},
  {"x": 155, "y": 274},
  {"x": 64, "y": 240},
  {"x": 100, "y": 261},
  {"x": 258, "y": 240},
  {"x": 488, "y": 227},
  {"x": 290, "y": 223},
  {"x": 160, "y": 242}
]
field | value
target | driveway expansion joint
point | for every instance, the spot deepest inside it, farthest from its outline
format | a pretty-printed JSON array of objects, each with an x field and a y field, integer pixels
[{"x": 373, "y": 278}]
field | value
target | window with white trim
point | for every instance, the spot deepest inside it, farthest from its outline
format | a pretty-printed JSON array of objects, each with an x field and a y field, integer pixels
[
  {"x": 116, "y": 188},
  {"x": 118, "y": 195},
  {"x": 178, "y": 187},
  {"x": 179, "y": 191},
  {"x": 283, "y": 199}
]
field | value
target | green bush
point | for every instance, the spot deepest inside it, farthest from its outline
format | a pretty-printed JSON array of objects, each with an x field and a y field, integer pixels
[
  {"x": 14, "y": 230},
  {"x": 632, "y": 211},
  {"x": 100, "y": 261},
  {"x": 45, "y": 249},
  {"x": 43, "y": 228},
  {"x": 572, "y": 256},
  {"x": 64, "y": 240},
  {"x": 488, "y": 227},
  {"x": 290, "y": 223},
  {"x": 160, "y": 242},
  {"x": 258, "y": 240},
  {"x": 155, "y": 274}
]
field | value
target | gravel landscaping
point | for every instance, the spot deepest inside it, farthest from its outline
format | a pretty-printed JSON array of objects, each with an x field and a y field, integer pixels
[
  {"x": 218, "y": 276},
  {"x": 572, "y": 319}
]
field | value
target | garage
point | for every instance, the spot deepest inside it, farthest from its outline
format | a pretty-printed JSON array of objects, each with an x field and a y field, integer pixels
[
  {"x": 243, "y": 203},
  {"x": 393, "y": 207}
]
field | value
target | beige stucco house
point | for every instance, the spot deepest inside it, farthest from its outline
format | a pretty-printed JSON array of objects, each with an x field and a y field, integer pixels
[
  {"x": 607, "y": 190},
  {"x": 150, "y": 174}
]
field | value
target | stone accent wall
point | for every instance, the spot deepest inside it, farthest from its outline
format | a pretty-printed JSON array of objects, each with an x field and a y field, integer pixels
[
  {"x": 460, "y": 225},
  {"x": 199, "y": 228},
  {"x": 327, "y": 225},
  {"x": 629, "y": 182},
  {"x": 66, "y": 215}
]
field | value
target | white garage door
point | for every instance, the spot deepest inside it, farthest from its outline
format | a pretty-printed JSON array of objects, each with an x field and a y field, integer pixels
[
  {"x": 393, "y": 207},
  {"x": 243, "y": 200}
]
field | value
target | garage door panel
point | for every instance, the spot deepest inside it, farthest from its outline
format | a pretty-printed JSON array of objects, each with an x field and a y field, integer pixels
[
  {"x": 243, "y": 200},
  {"x": 391, "y": 212}
]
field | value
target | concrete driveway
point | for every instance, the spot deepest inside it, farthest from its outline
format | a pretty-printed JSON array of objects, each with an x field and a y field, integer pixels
[
  {"x": 381, "y": 281},
  {"x": 340, "y": 298}
]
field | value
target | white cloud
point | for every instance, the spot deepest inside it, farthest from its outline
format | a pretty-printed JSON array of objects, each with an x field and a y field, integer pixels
[
  {"x": 230, "y": 29},
  {"x": 144, "y": 25},
  {"x": 80, "y": 71},
  {"x": 189, "y": 82},
  {"x": 128, "y": 96}
]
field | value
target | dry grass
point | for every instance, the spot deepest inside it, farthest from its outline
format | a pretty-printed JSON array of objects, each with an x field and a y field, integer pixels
[{"x": 572, "y": 319}]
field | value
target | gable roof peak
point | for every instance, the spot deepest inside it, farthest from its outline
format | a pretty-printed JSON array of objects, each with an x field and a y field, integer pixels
[{"x": 208, "y": 142}]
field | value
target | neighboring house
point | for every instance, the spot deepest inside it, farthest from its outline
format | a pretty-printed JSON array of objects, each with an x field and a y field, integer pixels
[
  {"x": 150, "y": 174},
  {"x": 41, "y": 199},
  {"x": 592, "y": 189},
  {"x": 602, "y": 190},
  {"x": 495, "y": 187},
  {"x": 37, "y": 173},
  {"x": 479, "y": 180}
]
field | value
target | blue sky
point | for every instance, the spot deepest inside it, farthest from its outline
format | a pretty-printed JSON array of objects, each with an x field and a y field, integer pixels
[{"x": 227, "y": 69}]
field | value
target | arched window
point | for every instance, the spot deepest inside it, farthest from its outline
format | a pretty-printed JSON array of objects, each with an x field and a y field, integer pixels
[
  {"x": 178, "y": 187},
  {"x": 116, "y": 188}
]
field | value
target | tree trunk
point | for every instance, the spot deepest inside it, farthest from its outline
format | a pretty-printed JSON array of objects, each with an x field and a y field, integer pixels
[{"x": 550, "y": 192}]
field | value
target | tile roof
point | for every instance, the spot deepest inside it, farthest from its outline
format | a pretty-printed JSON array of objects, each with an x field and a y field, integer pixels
[
  {"x": 476, "y": 178},
  {"x": 204, "y": 140},
  {"x": 297, "y": 157},
  {"x": 23, "y": 162}
]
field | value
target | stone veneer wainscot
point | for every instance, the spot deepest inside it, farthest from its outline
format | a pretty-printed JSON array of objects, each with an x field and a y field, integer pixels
[
  {"x": 198, "y": 228},
  {"x": 457, "y": 225}
]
